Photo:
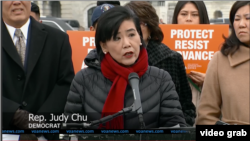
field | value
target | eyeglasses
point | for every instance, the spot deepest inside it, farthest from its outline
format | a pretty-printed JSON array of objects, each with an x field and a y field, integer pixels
[{"x": 142, "y": 23}]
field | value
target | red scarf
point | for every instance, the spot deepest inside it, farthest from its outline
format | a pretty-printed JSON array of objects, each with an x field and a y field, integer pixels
[{"x": 119, "y": 76}]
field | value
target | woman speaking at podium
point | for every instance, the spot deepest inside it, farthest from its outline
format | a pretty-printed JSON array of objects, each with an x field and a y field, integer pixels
[{"x": 103, "y": 88}]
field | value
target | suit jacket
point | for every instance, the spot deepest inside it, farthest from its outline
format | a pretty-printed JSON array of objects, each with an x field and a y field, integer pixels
[{"x": 43, "y": 86}]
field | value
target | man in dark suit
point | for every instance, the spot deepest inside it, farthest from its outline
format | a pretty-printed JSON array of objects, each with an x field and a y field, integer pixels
[{"x": 37, "y": 69}]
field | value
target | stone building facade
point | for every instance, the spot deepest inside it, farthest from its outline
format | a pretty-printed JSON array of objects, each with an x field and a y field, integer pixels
[{"x": 82, "y": 10}]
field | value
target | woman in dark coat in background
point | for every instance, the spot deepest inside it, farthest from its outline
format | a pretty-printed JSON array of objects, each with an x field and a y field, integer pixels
[{"x": 161, "y": 56}]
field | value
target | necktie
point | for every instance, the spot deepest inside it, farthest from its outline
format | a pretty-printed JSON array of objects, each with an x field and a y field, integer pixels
[{"x": 20, "y": 44}]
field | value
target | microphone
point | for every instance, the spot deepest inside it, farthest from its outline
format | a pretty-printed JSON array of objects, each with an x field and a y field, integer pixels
[{"x": 133, "y": 79}]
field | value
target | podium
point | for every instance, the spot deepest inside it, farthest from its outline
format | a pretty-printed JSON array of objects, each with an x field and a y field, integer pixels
[{"x": 111, "y": 137}]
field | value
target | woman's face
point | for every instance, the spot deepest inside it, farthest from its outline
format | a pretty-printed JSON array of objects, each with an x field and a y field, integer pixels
[
  {"x": 125, "y": 47},
  {"x": 241, "y": 24},
  {"x": 188, "y": 15},
  {"x": 145, "y": 32}
]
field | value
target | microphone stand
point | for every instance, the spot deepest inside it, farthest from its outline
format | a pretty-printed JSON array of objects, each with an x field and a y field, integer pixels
[
  {"x": 140, "y": 116},
  {"x": 134, "y": 82},
  {"x": 100, "y": 121},
  {"x": 108, "y": 118},
  {"x": 97, "y": 122},
  {"x": 133, "y": 79}
]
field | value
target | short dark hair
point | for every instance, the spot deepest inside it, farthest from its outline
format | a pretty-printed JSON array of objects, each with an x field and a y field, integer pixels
[
  {"x": 94, "y": 24},
  {"x": 232, "y": 43},
  {"x": 35, "y": 8},
  {"x": 115, "y": 3},
  {"x": 200, "y": 5},
  {"x": 109, "y": 24},
  {"x": 147, "y": 14}
]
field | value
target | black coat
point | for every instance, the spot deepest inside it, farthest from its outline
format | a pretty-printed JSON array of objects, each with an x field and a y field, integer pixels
[
  {"x": 160, "y": 103},
  {"x": 161, "y": 56},
  {"x": 42, "y": 87}
]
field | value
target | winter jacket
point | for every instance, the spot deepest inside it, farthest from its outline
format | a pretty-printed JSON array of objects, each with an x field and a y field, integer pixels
[{"x": 160, "y": 102}]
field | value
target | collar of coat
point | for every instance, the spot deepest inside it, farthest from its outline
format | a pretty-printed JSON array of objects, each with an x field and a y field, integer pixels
[
  {"x": 158, "y": 52},
  {"x": 240, "y": 56}
]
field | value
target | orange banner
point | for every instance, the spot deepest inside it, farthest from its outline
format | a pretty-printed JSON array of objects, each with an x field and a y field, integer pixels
[
  {"x": 196, "y": 43},
  {"x": 82, "y": 42}
]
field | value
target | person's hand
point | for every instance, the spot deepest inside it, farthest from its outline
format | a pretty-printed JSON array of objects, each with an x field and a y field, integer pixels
[
  {"x": 197, "y": 77},
  {"x": 21, "y": 119}
]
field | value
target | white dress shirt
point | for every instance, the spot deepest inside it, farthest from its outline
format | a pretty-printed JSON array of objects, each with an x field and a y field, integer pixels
[{"x": 24, "y": 29}]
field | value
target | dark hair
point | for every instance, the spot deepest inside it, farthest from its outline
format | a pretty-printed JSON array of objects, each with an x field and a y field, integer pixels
[
  {"x": 147, "y": 14},
  {"x": 201, "y": 7},
  {"x": 109, "y": 24},
  {"x": 232, "y": 43},
  {"x": 35, "y": 8},
  {"x": 94, "y": 23},
  {"x": 115, "y": 3}
]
